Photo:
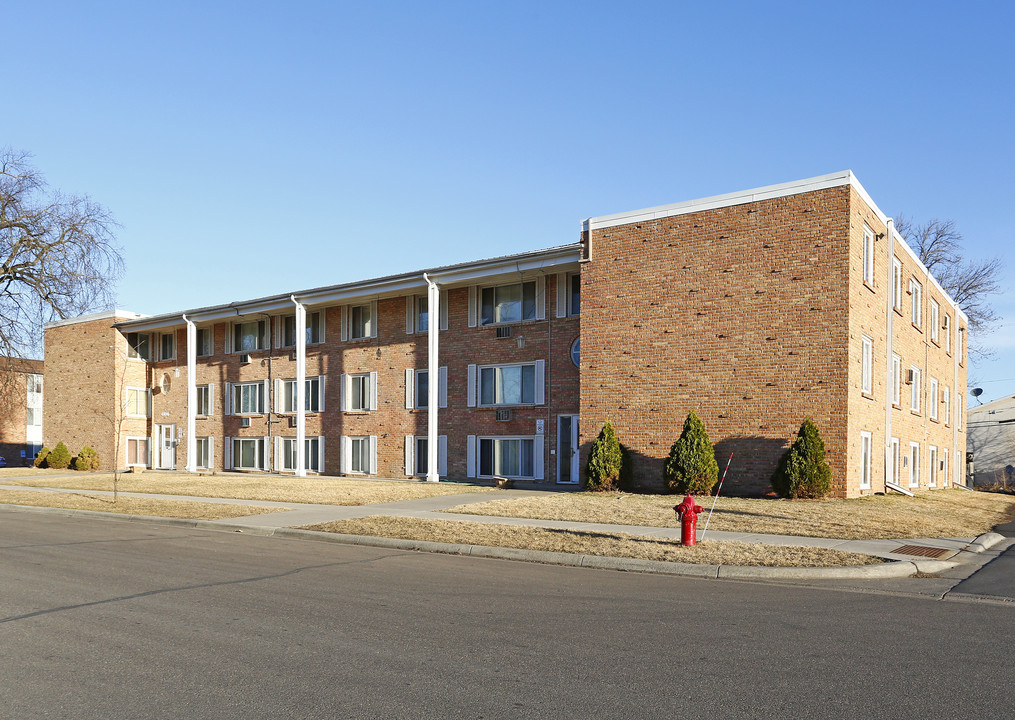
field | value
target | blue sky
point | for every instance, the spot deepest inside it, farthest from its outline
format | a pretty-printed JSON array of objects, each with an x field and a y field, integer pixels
[{"x": 252, "y": 148}]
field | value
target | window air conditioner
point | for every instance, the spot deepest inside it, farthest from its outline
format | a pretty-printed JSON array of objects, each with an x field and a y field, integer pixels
[
  {"x": 245, "y": 422},
  {"x": 503, "y": 415},
  {"x": 245, "y": 359},
  {"x": 504, "y": 331},
  {"x": 292, "y": 421}
]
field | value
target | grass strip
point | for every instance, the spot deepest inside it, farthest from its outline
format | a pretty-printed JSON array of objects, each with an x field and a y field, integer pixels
[{"x": 189, "y": 509}]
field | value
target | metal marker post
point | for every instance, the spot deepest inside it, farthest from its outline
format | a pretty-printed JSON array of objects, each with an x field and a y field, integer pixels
[{"x": 716, "y": 496}]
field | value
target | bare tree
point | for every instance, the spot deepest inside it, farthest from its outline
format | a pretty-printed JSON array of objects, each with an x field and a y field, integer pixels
[
  {"x": 58, "y": 255},
  {"x": 970, "y": 282}
]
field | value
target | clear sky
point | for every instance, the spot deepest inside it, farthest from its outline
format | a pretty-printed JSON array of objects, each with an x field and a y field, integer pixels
[{"x": 250, "y": 148}]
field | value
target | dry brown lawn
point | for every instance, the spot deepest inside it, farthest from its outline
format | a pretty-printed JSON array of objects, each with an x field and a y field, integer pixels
[
  {"x": 279, "y": 488},
  {"x": 939, "y": 513},
  {"x": 189, "y": 509},
  {"x": 594, "y": 543}
]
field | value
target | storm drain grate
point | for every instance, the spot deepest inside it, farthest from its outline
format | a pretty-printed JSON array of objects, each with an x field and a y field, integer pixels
[{"x": 920, "y": 550}]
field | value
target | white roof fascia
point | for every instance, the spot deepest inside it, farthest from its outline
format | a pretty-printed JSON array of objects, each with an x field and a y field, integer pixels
[{"x": 103, "y": 315}]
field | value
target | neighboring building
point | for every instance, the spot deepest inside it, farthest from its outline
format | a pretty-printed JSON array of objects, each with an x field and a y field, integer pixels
[
  {"x": 755, "y": 309},
  {"x": 20, "y": 410},
  {"x": 992, "y": 442}
]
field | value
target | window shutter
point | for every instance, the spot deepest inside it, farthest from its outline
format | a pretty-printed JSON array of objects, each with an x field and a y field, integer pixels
[
  {"x": 373, "y": 391},
  {"x": 343, "y": 455},
  {"x": 154, "y": 453},
  {"x": 373, "y": 319},
  {"x": 344, "y": 332},
  {"x": 471, "y": 390},
  {"x": 540, "y": 382},
  {"x": 562, "y": 295},
  {"x": 410, "y": 449},
  {"x": 320, "y": 393},
  {"x": 470, "y": 456},
  {"x": 320, "y": 454},
  {"x": 443, "y": 310},
  {"x": 410, "y": 314},
  {"x": 410, "y": 390},
  {"x": 472, "y": 306},
  {"x": 227, "y": 453},
  {"x": 227, "y": 399},
  {"x": 278, "y": 453},
  {"x": 343, "y": 392},
  {"x": 266, "y": 452},
  {"x": 442, "y": 455},
  {"x": 373, "y": 454},
  {"x": 541, "y": 298},
  {"x": 279, "y": 405},
  {"x": 442, "y": 386},
  {"x": 537, "y": 457},
  {"x": 211, "y": 402},
  {"x": 211, "y": 453},
  {"x": 265, "y": 391}
]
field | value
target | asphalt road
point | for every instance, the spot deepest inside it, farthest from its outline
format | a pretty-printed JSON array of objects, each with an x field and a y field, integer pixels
[{"x": 107, "y": 619}]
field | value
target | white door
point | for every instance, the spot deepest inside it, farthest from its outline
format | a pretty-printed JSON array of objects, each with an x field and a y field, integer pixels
[
  {"x": 167, "y": 447},
  {"x": 567, "y": 449}
]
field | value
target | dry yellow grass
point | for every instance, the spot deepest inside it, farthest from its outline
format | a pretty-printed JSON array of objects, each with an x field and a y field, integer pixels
[
  {"x": 189, "y": 509},
  {"x": 940, "y": 513},
  {"x": 594, "y": 543},
  {"x": 279, "y": 488}
]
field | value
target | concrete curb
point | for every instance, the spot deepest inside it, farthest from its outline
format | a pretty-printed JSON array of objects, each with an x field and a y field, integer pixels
[{"x": 896, "y": 569}]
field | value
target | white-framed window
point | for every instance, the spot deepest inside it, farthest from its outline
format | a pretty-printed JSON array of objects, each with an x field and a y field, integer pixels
[
  {"x": 932, "y": 466},
  {"x": 508, "y": 303},
  {"x": 944, "y": 467},
  {"x": 139, "y": 402},
  {"x": 915, "y": 388},
  {"x": 167, "y": 346},
  {"x": 313, "y": 400},
  {"x": 249, "y": 336},
  {"x": 204, "y": 338},
  {"x": 507, "y": 384},
  {"x": 932, "y": 398},
  {"x": 916, "y": 292},
  {"x": 137, "y": 452},
  {"x": 248, "y": 454},
  {"x": 422, "y": 313},
  {"x": 935, "y": 320},
  {"x": 417, "y": 313},
  {"x": 897, "y": 284},
  {"x": 139, "y": 345},
  {"x": 203, "y": 406},
  {"x": 868, "y": 256},
  {"x": 33, "y": 417},
  {"x": 865, "y": 459},
  {"x": 314, "y": 330},
  {"x": 416, "y": 458},
  {"x": 313, "y": 453},
  {"x": 914, "y": 464},
  {"x": 359, "y": 455},
  {"x": 34, "y": 382},
  {"x": 204, "y": 459},
  {"x": 897, "y": 380},
  {"x": 867, "y": 374},
  {"x": 362, "y": 321},
  {"x": 574, "y": 304},
  {"x": 511, "y": 457},
  {"x": 948, "y": 332},
  {"x": 946, "y": 401},
  {"x": 248, "y": 398},
  {"x": 893, "y": 465},
  {"x": 358, "y": 391},
  {"x": 417, "y": 388}
]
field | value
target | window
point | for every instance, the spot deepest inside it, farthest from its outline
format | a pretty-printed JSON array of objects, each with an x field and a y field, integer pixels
[
  {"x": 931, "y": 466},
  {"x": 422, "y": 314},
  {"x": 139, "y": 402},
  {"x": 203, "y": 449},
  {"x": 248, "y": 398},
  {"x": 506, "y": 457},
  {"x": 167, "y": 346},
  {"x": 507, "y": 385},
  {"x": 417, "y": 461},
  {"x": 932, "y": 399},
  {"x": 948, "y": 332},
  {"x": 422, "y": 389},
  {"x": 249, "y": 336},
  {"x": 867, "y": 376},
  {"x": 897, "y": 284},
  {"x": 916, "y": 290},
  {"x": 248, "y": 453},
  {"x": 34, "y": 417},
  {"x": 34, "y": 384},
  {"x": 508, "y": 303},
  {"x": 139, "y": 346},
  {"x": 203, "y": 400},
  {"x": 137, "y": 452},
  {"x": 359, "y": 392},
  {"x": 311, "y": 454},
  {"x": 362, "y": 318},
  {"x": 312, "y": 400},
  {"x": 417, "y": 388},
  {"x": 314, "y": 331},
  {"x": 946, "y": 401},
  {"x": 865, "y": 459},
  {"x": 914, "y": 464},
  {"x": 915, "y": 393},
  {"x": 935, "y": 320},
  {"x": 897, "y": 380},
  {"x": 958, "y": 344},
  {"x": 421, "y": 456},
  {"x": 360, "y": 456},
  {"x": 868, "y": 256},
  {"x": 204, "y": 341},
  {"x": 574, "y": 304}
]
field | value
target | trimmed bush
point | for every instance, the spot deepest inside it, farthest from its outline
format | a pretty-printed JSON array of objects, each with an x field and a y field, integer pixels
[
  {"x": 60, "y": 457},
  {"x": 40, "y": 457},
  {"x": 691, "y": 467},
  {"x": 802, "y": 470},
  {"x": 87, "y": 459},
  {"x": 605, "y": 461}
]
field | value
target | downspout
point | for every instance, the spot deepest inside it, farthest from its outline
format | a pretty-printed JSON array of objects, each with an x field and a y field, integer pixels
[
  {"x": 271, "y": 390},
  {"x": 889, "y": 351},
  {"x": 191, "y": 395},
  {"x": 960, "y": 401},
  {"x": 301, "y": 387},
  {"x": 433, "y": 378}
]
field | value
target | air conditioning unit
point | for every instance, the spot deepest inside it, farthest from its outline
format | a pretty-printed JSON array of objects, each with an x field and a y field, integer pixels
[
  {"x": 292, "y": 356},
  {"x": 245, "y": 422},
  {"x": 504, "y": 331},
  {"x": 292, "y": 421},
  {"x": 910, "y": 377},
  {"x": 503, "y": 415},
  {"x": 245, "y": 359}
]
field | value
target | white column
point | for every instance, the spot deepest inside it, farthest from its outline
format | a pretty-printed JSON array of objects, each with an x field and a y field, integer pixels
[
  {"x": 889, "y": 349},
  {"x": 301, "y": 386},
  {"x": 191, "y": 395},
  {"x": 433, "y": 309}
]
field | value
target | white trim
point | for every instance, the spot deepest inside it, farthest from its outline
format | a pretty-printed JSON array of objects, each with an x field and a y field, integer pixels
[
  {"x": 410, "y": 455},
  {"x": 561, "y": 295},
  {"x": 373, "y": 391},
  {"x": 471, "y": 380},
  {"x": 470, "y": 456},
  {"x": 116, "y": 315},
  {"x": 914, "y": 467},
  {"x": 866, "y": 464},
  {"x": 410, "y": 389},
  {"x": 126, "y": 454}
]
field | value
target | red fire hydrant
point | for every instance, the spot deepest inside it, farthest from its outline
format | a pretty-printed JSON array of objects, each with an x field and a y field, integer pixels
[{"x": 687, "y": 511}]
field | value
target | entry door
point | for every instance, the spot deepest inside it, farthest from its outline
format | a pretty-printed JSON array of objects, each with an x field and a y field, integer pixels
[
  {"x": 167, "y": 447},
  {"x": 567, "y": 449}
]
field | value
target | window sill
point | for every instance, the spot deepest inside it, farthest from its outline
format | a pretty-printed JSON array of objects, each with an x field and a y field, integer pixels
[
  {"x": 918, "y": 328},
  {"x": 506, "y": 406},
  {"x": 869, "y": 396},
  {"x": 357, "y": 412},
  {"x": 871, "y": 288}
]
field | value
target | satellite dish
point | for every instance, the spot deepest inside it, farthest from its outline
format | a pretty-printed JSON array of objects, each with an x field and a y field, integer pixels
[{"x": 976, "y": 392}]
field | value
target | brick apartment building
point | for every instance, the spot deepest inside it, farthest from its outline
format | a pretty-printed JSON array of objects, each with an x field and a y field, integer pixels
[
  {"x": 20, "y": 410},
  {"x": 756, "y": 309}
]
